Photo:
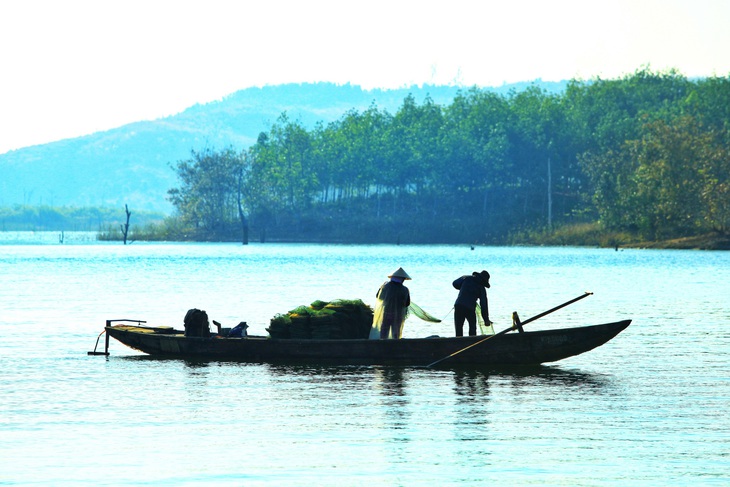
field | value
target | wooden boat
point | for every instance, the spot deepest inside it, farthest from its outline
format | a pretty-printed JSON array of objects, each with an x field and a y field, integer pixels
[{"x": 502, "y": 349}]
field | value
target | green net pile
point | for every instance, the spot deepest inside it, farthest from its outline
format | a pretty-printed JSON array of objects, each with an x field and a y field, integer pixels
[{"x": 322, "y": 320}]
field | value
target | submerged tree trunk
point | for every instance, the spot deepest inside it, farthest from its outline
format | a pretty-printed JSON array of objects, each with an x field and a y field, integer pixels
[
  {"x": 244, "y": 223},
  {"x": 549, "y": 197},
  {"x": 125, "y": 227}
]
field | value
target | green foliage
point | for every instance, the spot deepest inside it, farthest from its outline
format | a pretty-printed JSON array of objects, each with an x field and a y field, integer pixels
[
  {"x": 671, "y": 180},
  {"x": 644, "y": 154},
  {"x": 341, "y": 318},
  {"x": 210, "y": 203}
]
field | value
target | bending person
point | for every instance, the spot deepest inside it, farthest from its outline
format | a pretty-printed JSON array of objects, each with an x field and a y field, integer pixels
[{"x": 471, "y": 288}]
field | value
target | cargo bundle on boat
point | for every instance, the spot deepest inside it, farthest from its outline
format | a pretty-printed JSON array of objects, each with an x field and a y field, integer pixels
[{"x": 322, "y": 320}]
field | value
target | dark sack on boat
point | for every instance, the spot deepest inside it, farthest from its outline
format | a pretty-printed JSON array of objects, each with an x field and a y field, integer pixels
[{"x": 196, "y": 323}]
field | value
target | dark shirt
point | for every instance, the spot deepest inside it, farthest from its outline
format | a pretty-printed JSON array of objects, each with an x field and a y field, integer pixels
[
  {"x": 470, "y": 289},
  {"x": 394, "y": 295},
  {"x": 392, "y": 309}
]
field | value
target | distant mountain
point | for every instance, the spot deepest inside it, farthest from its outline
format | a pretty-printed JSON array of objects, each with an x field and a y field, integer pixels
[{"x": 131, "y": 164}]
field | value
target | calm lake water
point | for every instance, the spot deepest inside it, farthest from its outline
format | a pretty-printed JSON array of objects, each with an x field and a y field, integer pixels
[{"x": 648, "y": 408}]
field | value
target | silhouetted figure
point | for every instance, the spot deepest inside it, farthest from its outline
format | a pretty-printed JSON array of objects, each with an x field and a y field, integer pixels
[
  {"x": 471, "y": 288},
  {"x": 391, "y": 308}
]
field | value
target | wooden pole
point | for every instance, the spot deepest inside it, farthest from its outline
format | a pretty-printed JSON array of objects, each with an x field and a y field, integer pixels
[{"x": 106, "y": 343}]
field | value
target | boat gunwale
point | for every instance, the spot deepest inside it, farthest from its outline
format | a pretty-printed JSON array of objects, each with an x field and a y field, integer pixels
[
  {"x": 179, "y": 334},
  {"x": 507, "y": 349}
]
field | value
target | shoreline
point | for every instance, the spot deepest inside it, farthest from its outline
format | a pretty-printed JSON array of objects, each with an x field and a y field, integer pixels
[{"x": 698, "y": 242}]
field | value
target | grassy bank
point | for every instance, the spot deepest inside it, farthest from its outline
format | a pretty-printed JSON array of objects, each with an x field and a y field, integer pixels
[
  {"x": 709, "y": 241},
  {"x": 593, "y": 235}
]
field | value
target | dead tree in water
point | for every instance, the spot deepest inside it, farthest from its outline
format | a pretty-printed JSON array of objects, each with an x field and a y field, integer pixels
[
  {"x": 239, "y": 200},
  {"x": 125, "y": 227}
]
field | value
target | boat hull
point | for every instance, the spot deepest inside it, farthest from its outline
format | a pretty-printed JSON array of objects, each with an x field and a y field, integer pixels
[{"x": 509, "y": 349}]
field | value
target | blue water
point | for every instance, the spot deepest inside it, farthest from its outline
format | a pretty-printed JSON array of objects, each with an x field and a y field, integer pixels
[{"x": 648, "y": 408}]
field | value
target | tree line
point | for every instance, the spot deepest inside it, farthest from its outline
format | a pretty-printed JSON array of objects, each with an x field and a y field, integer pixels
[
  {"x": 647, "y": 154},
  {"x": 80, "y": 219}
]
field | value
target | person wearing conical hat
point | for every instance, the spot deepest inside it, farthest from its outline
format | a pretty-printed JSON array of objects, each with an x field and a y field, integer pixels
[
  {"x": 471, "y": 288},
  {"x": 391, "y": 308}
]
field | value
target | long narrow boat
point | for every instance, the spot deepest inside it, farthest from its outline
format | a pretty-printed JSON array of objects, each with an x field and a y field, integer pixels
[{"x": 502, "y": 349}]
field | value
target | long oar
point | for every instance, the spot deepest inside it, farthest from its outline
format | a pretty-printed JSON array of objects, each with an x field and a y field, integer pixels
[{"x": 514, "y": 326}]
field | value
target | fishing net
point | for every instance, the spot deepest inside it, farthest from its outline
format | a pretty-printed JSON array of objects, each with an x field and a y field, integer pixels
[
  {"x": 420, "y": 313},
  {"x": 485, "y": 328},
  {"x": 391, "y": 310}
]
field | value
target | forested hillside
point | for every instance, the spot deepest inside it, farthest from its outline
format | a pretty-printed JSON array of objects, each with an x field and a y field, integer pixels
[
  {"x": 132, "y": 164},
  {"x": 647, "y": 154}
]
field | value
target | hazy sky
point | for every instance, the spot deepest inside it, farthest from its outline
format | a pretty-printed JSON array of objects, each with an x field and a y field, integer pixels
[{"x": 73, "y": 67}]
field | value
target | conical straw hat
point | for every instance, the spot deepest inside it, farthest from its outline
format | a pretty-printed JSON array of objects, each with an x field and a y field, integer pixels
[{"x": 400, "y": 273}]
